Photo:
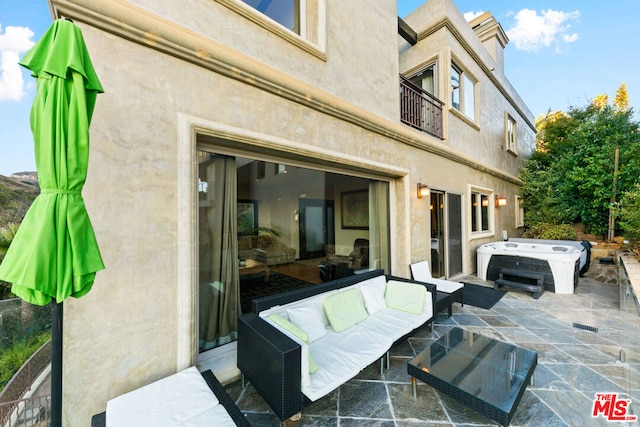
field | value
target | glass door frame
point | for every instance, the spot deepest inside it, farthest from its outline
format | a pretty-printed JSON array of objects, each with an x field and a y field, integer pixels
[{"x": 444, "y": 245}]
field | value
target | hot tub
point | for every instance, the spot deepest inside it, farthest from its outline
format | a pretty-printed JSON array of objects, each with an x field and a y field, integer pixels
[
  {"x": 584, "y": 247},
  {"x": 560, "y": 264}
]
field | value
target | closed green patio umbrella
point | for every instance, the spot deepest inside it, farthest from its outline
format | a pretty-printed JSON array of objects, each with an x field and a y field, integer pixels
[{"x": 55, "y": 254}]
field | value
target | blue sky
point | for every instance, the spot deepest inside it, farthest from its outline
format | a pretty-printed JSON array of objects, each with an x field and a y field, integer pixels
[{"x": 560, "y": 54}]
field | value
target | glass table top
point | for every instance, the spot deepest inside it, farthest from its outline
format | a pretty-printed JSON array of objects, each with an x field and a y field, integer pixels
[{"x": 490, "y": 370}]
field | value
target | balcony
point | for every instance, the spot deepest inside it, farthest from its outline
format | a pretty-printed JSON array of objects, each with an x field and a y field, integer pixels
[{"x": 419, "y": 109}]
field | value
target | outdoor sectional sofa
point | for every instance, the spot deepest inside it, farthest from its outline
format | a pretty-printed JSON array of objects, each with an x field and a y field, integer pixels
[{"x": 298, "y": 346}]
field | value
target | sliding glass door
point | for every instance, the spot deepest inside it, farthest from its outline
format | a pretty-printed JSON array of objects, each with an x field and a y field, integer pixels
[
  {"x": 438, "y": 254},
  {"x": 454, "y": 240},
  {"x": 264, "y": 227},
  {"x": 446, "y": 234}
]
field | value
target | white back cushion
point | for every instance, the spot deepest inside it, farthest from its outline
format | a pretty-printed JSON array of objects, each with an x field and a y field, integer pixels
[
  {"x": 420, "y": 271},
  {"x": 310, "y": 318},
  {"x": 373, "y": 293}
]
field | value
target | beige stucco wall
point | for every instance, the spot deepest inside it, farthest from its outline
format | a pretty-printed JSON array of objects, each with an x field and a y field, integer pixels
[
  {"x": 360, "y": 62},
  {"x": 168, "y": 87},
  {"x": 445, "y": 37}
]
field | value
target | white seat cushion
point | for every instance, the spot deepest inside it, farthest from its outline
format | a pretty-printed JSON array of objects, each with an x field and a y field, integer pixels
[
  {"x": 342, "y": 355},
  {"x": 447, "y": 286},
  {"x": 183, "y": 399},
  {"x": 421, "y": 272}
]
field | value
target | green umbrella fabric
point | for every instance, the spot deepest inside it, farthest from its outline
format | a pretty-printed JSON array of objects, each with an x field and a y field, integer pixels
[{"x": 55, "y": 254}]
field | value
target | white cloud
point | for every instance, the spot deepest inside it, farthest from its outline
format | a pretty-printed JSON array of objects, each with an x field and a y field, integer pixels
[
  {"x": 470, "y": 16},
  {"x": 532, "y": 31},
  {"x": 570, "y": 38},
  {"x": 13, "y": 42}
]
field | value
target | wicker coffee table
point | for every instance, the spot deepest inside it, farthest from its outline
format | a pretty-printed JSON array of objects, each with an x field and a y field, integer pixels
[{"x": 488, "y": 375}]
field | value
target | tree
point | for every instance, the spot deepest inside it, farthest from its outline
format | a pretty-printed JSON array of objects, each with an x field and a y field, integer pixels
[
  {"x": 6, "y": 237},
  {"x": 570, "y": 177},
  {"x": 621, "y": 102},
  {"x": 629, "y": 212}
]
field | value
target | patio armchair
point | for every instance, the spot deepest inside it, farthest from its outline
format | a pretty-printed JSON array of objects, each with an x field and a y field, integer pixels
[{"x": 421, "y": 272}]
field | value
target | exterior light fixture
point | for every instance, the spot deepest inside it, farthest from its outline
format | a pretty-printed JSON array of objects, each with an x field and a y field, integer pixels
[
  {"x": 423, "y": 190},
  {"x": 501, "y": 201}
]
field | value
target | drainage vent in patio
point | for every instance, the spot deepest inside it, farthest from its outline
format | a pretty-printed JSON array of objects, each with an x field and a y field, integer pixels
[{"x": 585, "y": 327}]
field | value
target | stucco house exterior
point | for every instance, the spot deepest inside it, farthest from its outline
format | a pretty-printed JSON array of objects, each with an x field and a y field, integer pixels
[{"x": 225, "y": 121}]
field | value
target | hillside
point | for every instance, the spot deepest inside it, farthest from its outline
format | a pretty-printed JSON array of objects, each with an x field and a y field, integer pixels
[{"x": 16, "y": 195}]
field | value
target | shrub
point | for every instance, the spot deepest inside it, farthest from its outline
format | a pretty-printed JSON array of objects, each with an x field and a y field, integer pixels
[
  {"x": 13, "y": 358},
  {"x": 548, "y": 231},
  {"x": 629, "y": 213},
  {"x": 19, "y": 323}
]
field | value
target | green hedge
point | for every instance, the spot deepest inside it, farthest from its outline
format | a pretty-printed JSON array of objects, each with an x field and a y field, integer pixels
[
  {"x": 13, "y": 358},
  {"x": 24, "y": 328},
  {"x": 548, "y": 231}
]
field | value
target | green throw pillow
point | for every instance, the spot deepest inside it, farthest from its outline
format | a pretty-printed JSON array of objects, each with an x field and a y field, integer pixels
[
  {"x": 344, "y": 309},
  {"x": 285, "y": 324},
  {"x": 405, "y": 296}
]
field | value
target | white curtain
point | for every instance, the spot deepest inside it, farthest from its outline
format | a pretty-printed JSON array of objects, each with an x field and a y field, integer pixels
[
  {"x": 379, "y": 225},
  {"x": 219, "y": 278}
]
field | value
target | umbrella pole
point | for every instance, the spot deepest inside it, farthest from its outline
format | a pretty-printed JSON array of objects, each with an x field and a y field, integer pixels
[{"x": 56, "y": 365}]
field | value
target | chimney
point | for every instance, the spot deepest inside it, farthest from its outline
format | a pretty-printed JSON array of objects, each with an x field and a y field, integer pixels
[{"x": 491, "y": 34}]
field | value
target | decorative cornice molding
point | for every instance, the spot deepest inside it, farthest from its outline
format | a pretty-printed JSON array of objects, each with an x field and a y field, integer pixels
[{"x": 142, "y": 27}]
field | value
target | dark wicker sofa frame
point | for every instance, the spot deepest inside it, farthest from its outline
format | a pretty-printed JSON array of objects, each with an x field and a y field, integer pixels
[
  {"x": 225, "y": 400},
  {"x": 270, "y": 360}
]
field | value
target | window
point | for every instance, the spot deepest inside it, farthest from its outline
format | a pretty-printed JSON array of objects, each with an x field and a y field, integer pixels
[
  {"x": 425, "y": 79},
  {"x": 519, "y": 212},
  {"x": 300, "y": 22},
  {"x": 284, "y": 12},
  {"x": 462, "y": 92},
  {"x": 481, "y": 212},
  {"x": 511, "y": 134}
]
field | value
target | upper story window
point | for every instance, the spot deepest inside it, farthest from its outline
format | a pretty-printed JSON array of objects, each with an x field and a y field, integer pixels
[
  {"x": 300, "y": 22},
  {"x": 510, "y": 134},
  {"x": 462, "y": 92},
  {"x": 284, "y": 12},
  {"x": 426, "y": 79}
]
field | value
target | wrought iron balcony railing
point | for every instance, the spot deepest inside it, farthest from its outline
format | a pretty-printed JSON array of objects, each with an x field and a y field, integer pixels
[{"x": 420, "y": 109}]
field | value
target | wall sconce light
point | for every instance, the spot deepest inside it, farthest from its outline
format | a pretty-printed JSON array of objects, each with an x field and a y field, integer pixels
[
  {"x": 423, "y": 190},
  {"x": 501, "y": 201}
]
